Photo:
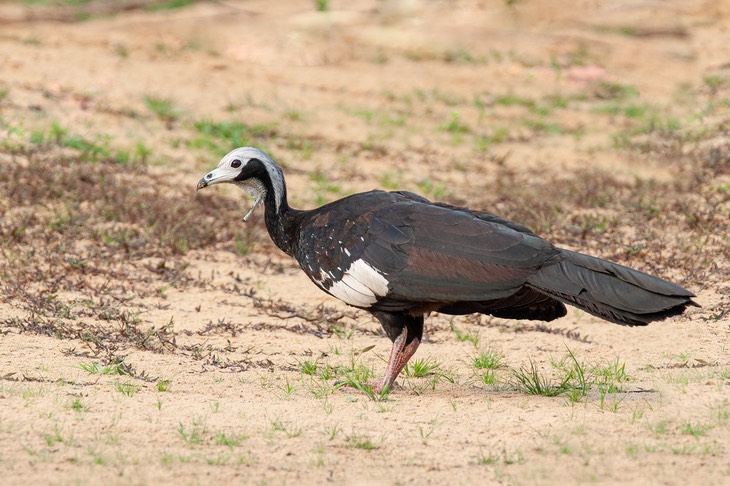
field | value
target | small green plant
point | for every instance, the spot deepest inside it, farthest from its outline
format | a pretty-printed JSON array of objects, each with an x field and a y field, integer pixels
[
  {"x": 141, "y": 153},
  {"x": 305, "y": 147},
  {"x": 287, "y": 387},
  {"x": 219, "y": 137},
  {"x": 488, "y": 377},
  {"x": 116, "y": 367},
  {"x": 498, "y": 135},
  {"x": 356, "y": 369},
  {"x": 77, "y": 405},
  {"x": 363, "y": 113},
  {"x": 192, "y": 436},
  {"x": 514, "y": 100},
  {"x": 610, "y": 377},
  {"x": 420, "y": 367},
  {"x": 32, "y": 41},
  {"x": 455, "y": 126},
  {"x": 486, "y": 364},
  {"x": 532, "y": 382},
  {"x": 488, "y": 360},
  {"x": 163, "y": 385},
  {"x": 612, "y": 91},
  {"x": 326, "y": 372},
  {"x": 163, "y": 108},
  {"x": 466, "y": 336},
  {"x": 291, "y": 430},
  {"x": 323, "y": 186},
  {"x": 462, "y": 56},
  {"x": 308, "y": 367},
  {"x": 541, "y": 125},
  {"x": 390, "y": 180},
  {"x": 426, "y": 433},
  {"x": 502, "y": 457},
  {"x": 322, "y": 5},
  {"x": 723, "y": 413},
  {"x": 243, "y": 246},
  {"x": 363, "y": 386},
  {"x": 294, "y": 115},
  {"x": 613, "y": 404},
  {"x": 332, "y": 431},
  {"x": 127, "y": 389},
  {"x": 426, "y": 186},
  {"x": 695, "y": 430},
  {"x": 364, "y": 442},
  {"x": 577, "y": 378},
  {"x": 230, "y": 440},
  {"x": 714, "y": 84},
  {"x": 89, "y": 150},
  {"x": 168, "y": 5},
  {"x": 121, "y": 50},
  {"x": 54, "y": 437}
]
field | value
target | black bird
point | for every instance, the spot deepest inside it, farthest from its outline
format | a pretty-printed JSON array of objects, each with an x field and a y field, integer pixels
[{"x": 400, "y": 256}]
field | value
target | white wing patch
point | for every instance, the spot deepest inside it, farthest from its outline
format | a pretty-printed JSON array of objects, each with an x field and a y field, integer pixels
[{"x": 361, "y": 285}]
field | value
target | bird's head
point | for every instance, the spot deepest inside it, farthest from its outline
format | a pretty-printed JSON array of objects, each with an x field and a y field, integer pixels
[{"x": 252, "y": 170}]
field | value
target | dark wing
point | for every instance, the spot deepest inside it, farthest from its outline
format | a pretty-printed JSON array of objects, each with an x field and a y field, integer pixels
[
  {"x": 430, "y": 256},
  {"x": 439, "y": 254}
]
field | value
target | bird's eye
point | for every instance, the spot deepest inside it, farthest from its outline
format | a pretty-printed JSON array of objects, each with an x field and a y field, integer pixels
[{"x": 236, "y": 164}]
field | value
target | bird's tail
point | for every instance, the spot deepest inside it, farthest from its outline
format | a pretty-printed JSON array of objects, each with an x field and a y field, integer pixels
[{"x": 610, "y": 291}]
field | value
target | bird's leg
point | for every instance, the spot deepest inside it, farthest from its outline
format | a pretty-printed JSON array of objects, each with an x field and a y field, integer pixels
[
  {"x": 399, "y": 356},
  {"x": 405, "y": 331}
]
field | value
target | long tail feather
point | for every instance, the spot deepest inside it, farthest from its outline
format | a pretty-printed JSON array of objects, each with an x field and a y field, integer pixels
[{"x": 613, "y": 292}]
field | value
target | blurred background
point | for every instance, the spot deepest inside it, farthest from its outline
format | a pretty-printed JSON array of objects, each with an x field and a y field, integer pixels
[{"x": 580, "y": 119}]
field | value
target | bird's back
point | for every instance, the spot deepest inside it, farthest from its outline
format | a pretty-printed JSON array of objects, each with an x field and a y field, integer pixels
[{"x": 389, "y": 250}]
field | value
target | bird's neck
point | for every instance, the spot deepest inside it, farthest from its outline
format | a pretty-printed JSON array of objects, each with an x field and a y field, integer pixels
[{"x": 282, "y": 222}]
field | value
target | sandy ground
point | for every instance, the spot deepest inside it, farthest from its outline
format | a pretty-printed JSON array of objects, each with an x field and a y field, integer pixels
[{"x": 442, "y": 98}]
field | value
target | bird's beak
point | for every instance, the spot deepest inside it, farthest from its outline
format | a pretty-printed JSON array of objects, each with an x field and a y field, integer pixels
[{"x": 212, "y": 177}]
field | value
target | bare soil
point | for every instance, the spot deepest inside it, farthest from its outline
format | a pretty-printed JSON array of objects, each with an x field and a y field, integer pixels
[{"x": 147, "y": 335}]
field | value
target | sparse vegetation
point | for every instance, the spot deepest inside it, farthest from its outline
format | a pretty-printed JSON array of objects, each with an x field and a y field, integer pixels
[
  {"x": 126, "y": 388},
  {"x": 575, "y": 380},
  {"x": 486, "y": 364},
  {"x": 77, "y": 405},
  {"x": 696, "y": 430},
  {"x": 163, "y": 385},
  {"x": 163, "y": 108},
  {"x": 116, "y": 367},
  {"x": 168, "y": 5},
  {"x": 364, "y": 442},
  {"x": 469, "y": 336},
  {"x": 218, "y": 137},
  {"x": 489, "y": 360},
  {"x": 420, "y": 367},
  {"x": 289, "y": 429},
  {"x": 229, "y": 439}
]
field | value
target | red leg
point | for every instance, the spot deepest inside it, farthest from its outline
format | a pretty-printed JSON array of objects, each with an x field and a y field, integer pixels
[{"x": 399, "y": 356}]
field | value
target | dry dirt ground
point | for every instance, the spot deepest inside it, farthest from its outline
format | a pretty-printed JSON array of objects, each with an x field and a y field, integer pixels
[{"x": 147, "y": 335}]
